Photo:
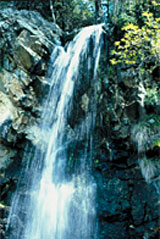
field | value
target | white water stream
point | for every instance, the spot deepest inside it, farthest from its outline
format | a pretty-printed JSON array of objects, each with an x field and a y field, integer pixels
[{"x": 56, "y": 206}]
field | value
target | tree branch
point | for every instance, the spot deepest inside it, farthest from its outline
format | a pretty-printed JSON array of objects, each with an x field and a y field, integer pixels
[{"x": 52, "y": 11}]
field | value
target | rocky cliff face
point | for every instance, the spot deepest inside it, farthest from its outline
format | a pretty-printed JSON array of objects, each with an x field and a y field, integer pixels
[
  {"x": 126, "y": 162},
  {"x": 27, "y": 41},
  {"x": 127, "y": 206}
]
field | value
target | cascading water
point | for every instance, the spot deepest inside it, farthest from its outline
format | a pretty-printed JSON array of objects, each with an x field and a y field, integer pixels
[{"x": 59, "y": 204}]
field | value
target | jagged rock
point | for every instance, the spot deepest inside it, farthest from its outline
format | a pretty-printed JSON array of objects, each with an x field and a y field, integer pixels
[
  {"x": 26, "y": 43},
  {"x": 26, "y": 57},
  {"x": 37, "y": 136},
  {"x": 85, "y": 102},
  {"x": 6, "y": 157},
  {"x": 7, "y": 110}
]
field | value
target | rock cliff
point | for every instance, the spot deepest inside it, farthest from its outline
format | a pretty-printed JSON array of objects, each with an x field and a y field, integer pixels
[{"x": 27, "y": 41}]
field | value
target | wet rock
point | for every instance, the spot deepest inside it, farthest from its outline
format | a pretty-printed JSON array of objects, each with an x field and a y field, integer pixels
[
  {"x": 4, "y": 129},
  {"x": 25, "y": 57},
  {"x": 6, "y": 157},
  {"x": 38, "y": 136},
  {"x": 41, "y": 87},
  {"x": 124, "y": 158},
  {"x": 7, "y": 110},
  {"x": 26, "y": 43},
  {"x": 28, "y": 50},
  {"x": 85, "y": 102},
  {"x": 15, "y": 90}
]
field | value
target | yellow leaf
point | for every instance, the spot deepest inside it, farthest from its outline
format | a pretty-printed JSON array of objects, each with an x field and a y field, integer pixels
[
  {"x": 129, "y": 62},
  {"x": 114, "y": 52},
  {"x": 150, "y": 14},
  {"x": 126, "y": 35},
  {"x": 142, "y": 70},
  {"x": 120, "y": 47},
  {"x": 147, "y": 38},
  {"x": 130, "y": 26},
  {"x": 155, "y": 3},
  {"x": 156, "y": 143},
  {"x": 117, "y": 43},
  {"x": 145, "y": 14},
  {"x": 113, "y": 61},
  {"x": 155, "y": 26}
]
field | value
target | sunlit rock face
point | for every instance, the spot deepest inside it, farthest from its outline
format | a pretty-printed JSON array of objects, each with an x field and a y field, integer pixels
[{"x": 26, "y": 43}]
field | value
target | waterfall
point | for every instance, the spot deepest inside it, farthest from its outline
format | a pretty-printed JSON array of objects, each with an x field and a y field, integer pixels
[{"x": 55, "y": 197}]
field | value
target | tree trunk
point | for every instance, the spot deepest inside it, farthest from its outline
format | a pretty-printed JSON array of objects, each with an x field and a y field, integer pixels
[
  {"x": 98, "y": 11},
  {"x": 52, "y": 11}
]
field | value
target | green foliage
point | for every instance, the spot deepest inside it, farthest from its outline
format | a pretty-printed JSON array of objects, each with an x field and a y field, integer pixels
[
  {"x": 124, "y": 13},
  {"x": 136, "y": 49},
  {"x": 156, "y": 142},
  {"x": 152, "y": 120},
  {"x": 4, "y": 3},
  {"x": 151, "y": 125},
  {"x": 152, "y": 96},
  {"x": 139, "y": 44},
  {"x": 129, "y": 11},
  {"x": 69, "y": 14}
]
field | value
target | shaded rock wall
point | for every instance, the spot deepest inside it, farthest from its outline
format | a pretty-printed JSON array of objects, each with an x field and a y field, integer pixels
[{"x": 128, "y": 206}]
